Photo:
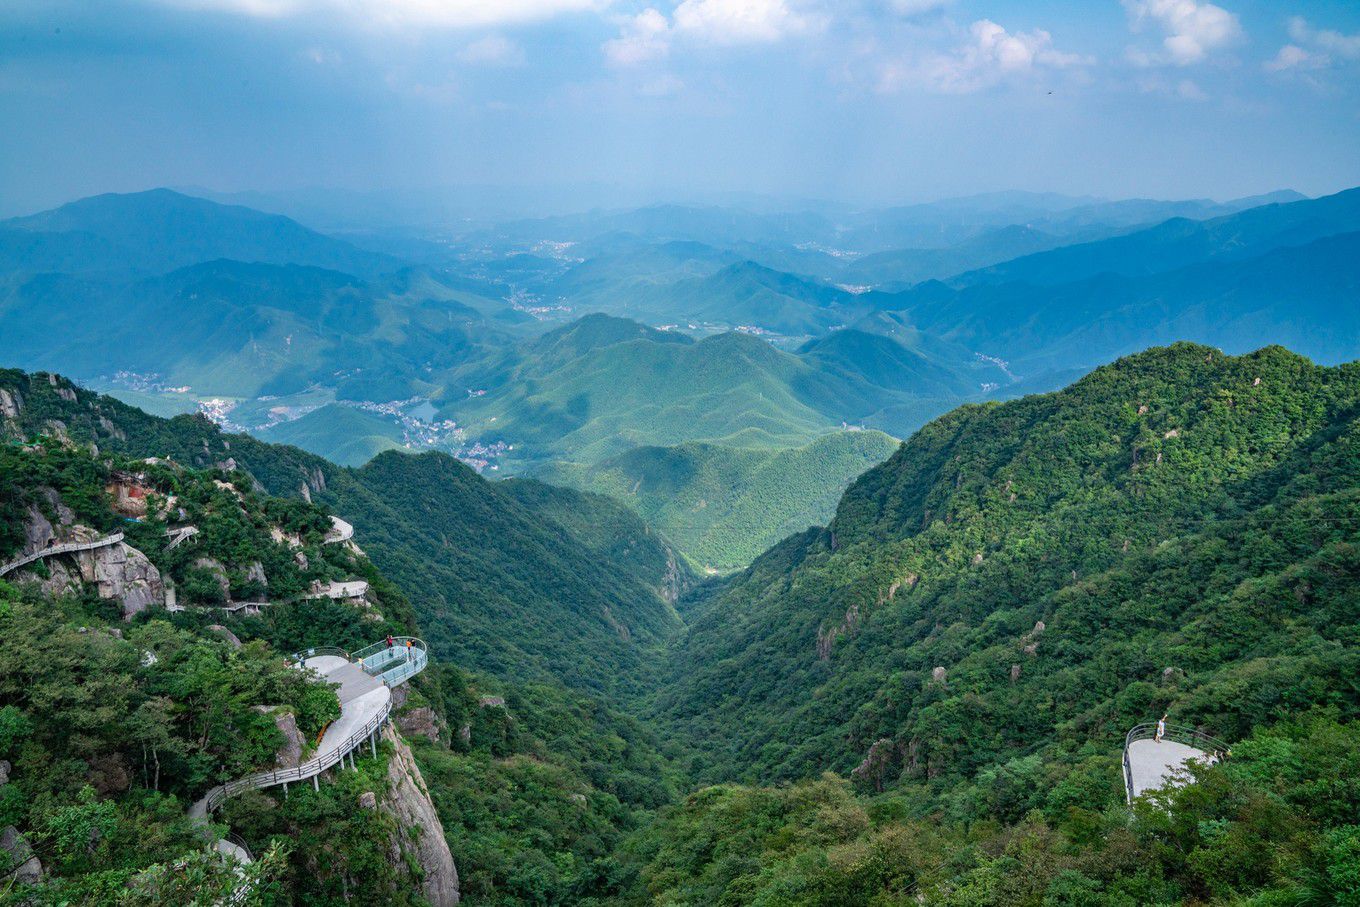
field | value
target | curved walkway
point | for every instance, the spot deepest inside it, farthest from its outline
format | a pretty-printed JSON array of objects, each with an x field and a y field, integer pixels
[
  {"x": 67, "y": 548},
  {"x": 1150, "y": 764},
  {"x": 340, "y": 532},
  {"x": 365, "y": 680}
]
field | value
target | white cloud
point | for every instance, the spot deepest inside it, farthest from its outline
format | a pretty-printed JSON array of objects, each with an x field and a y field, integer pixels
[
  {"x": 990, "y": 56},
  {"x": 1313, "y": 48},
  {"x": 1191, "y": 29},
  {"x": 644, "y": 37},
  {"x": 390, "y": 13},
  {"x": 742, "y": 21},
  {"x": 649, "y": 35},
  {"x": 493, "y": 50}
]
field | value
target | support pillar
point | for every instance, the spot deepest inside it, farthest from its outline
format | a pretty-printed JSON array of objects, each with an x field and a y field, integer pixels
[
  {"x": 316, "y": 785},
  {"x": 373, "y": 743},
  {"x": 285, "y": 790}
]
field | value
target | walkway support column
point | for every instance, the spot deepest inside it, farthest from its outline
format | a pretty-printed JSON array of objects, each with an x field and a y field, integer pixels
[{"x": 316, "y": 785}]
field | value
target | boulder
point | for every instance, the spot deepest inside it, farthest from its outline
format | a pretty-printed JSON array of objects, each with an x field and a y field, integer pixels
[
  {"x": 938, "y": 675},
  {"x": 4, "y": 772},
  {"x": 368, "y": 800},
  {"x": 123, "y": 574},
  {"x": 419, "y": 835},
  {"x": 30, "y": 871}
]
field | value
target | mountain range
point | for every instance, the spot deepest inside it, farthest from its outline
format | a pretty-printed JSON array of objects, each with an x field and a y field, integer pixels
[{"x": 746, "y": 333}]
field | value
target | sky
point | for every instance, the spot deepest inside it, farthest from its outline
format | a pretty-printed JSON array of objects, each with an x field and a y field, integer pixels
[{"x": 584, "y": 102}]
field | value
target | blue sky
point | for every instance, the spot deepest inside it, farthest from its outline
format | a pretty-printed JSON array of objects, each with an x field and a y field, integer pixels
[{"x": 863, "y": 101}]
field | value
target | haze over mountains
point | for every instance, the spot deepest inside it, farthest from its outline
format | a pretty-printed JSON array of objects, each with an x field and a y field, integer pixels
[{"x": 638, "y": 351}]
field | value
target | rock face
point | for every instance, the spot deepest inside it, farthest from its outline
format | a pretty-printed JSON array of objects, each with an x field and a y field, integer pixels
[
  {"x": 30, "y": 869},
  {"x": 123, "y": 574},
  {"x": 290, "y": 754},
  {"x": 419, "y": 834},
  {"x": 421, "y": 721},
  {"x": 11, "y": 403}
]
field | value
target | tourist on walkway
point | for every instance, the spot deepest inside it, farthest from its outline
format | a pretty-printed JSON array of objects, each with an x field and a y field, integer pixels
[
  {"x": 390, "y": 640},
  {"x": 1161, "y": 729}
]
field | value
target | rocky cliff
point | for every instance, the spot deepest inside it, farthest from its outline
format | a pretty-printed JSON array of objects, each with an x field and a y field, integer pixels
[{"x": 420, "y": 835}]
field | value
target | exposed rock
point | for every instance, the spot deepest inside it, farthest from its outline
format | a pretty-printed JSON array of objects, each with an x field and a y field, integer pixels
[
  {"x": 368, "y": 800},
  {"x": 66, "y": 393},
  {"x": 1174, "y": 433},
  {"x": 4, "y": 772},
  {"x": 420, "y": 835},
  {"x": 110, "y": 429},
  {"x": 290, "y": 754},
  {"x": 419, "y": 721},
  {"x": 909, "y": 581},
  {"x": 37, "y": 531},
  {"x": 123, "y": 574},
  {"x": 1142, "y": 410},
  {"x": 218, "y": 572},
  {"x": 977, "y": 558},
  {"x": 11, "y": 404},
  {"x": 488, "y": 702},
  {"x": 938, "y": 675},
  {"x": 306, "y": 492},
  {"x": 849, "y": 626},
  {"x": 232, "y": 639},
  {"x": 877, "y": 763},
  {"x": 1031, "y": 648},
  {"x": 30, "y": 871},
  {"x": 110, "y": 774},
  {"x": 1015, "y": 673},
  {"x": 255, "y": 574},
  {"x": 1255, "y": 383},
  {"x": 465, "y": 733}
]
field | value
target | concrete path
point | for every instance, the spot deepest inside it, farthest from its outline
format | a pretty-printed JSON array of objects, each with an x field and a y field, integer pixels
[{"x": 1152, "y": 764}]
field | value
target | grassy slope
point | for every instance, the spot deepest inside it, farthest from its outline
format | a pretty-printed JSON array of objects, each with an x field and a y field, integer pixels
[{"x": 723, "y": 506}]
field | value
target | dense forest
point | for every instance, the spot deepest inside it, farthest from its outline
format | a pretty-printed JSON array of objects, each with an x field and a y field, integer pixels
[{"x": 923, "y": 702}]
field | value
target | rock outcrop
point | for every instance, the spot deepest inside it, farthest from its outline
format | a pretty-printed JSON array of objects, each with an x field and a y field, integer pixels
[
  {"x": 290, "y": 754},
  {"x": 19, "y": 852},
  {"x": 419, "y": 833},
  {"x": 11, "y": 404}
]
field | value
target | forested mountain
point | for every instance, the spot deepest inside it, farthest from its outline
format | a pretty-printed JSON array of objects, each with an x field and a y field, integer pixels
[
  {"x": 964, "y": 647},
  {"x": 1022, "y": 581},
  {"x": 722, "y": 506},
  {"x": 512, "y": 591}
]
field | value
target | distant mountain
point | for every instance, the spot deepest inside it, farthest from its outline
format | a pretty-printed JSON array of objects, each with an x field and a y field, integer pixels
[
  {"x": 160, "y": 230},
  {"x": 900, "y": 267},
  {"x": 603, "y": 385},
  {"x": 723, "y": 505},
  {"x": 243, "y": 329},
  {"x": 1179, "y": 242},
  {"x": 1301, "y": 295}
]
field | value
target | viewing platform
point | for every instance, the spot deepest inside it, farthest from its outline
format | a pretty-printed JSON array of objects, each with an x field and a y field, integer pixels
[{"x": 1150, "y": 764}]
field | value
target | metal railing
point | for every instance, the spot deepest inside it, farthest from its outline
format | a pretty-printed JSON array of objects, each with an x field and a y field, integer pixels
[
  {"x": 1177, "y": 733},
  {"x": 220, "y": 794},
  {"x": 410, "y": 660},
  {"x": 67, "y": 548}
]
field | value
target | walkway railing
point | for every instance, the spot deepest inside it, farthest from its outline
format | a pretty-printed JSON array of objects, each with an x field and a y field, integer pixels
[
  {"x": 393, "y": 664},
  {"x": 309, "y": 769},
  {"x": 67, "y": 548},
  {"x": 1177, "y": 733}
]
